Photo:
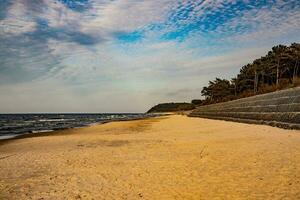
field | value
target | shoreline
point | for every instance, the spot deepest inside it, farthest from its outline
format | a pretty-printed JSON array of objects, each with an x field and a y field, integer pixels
[
  {"x": 168, "y": 157},
  {"x": 58, "y": 131}
]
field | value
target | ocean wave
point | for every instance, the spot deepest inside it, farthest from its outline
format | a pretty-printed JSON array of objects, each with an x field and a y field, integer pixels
[
  {"x": 42, "y": 131},
  {"x": 4, "y": 137},
  {"x": 12, "y": 125},
  {"x": 55, "y": 120}
]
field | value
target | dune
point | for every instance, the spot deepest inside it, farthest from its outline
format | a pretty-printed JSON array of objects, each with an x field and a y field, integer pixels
[{"x": 169, "y": 157}]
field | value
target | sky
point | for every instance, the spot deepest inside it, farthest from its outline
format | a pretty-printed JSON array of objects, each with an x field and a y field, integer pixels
[{"x": 128, "y": 55}]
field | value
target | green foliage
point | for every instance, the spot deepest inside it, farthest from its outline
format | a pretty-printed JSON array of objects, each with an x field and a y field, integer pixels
[
  {"x": 276, "y": 70},
  {"x": 197, "y": 102},
  {"x": 218, "y": 89},
  {"x": 171, "y": 107}
]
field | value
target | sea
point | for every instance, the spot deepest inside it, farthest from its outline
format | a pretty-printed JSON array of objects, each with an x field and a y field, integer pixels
[{"x": 13, "y": 125}]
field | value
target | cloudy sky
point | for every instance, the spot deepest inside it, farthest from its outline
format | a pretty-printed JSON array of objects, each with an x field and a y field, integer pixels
[{"x": 127, "y": 55}]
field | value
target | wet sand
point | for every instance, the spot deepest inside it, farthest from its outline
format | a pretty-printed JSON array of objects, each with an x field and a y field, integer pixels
[{"x": 172, "y": 157}]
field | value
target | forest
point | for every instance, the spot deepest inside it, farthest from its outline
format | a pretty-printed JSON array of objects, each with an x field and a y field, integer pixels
[{"x": 279, "y": 69}]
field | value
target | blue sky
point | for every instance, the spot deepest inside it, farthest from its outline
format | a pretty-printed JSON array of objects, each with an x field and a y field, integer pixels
[{"x": 127, "y": 55}]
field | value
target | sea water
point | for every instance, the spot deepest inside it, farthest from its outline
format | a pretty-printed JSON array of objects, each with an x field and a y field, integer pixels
[{"x": 12, "y": 125}]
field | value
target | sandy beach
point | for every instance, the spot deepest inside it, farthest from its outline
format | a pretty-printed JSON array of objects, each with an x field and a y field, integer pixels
[{"x": 170, "y": 157}]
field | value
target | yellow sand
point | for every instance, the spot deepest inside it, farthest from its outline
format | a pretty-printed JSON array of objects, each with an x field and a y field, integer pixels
[{"x": 172, "y": 157}]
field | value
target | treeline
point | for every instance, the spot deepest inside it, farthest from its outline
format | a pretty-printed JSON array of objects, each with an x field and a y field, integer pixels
[
  {"x": 277, "y": 70},
  {"x": 171, "y": 107}
]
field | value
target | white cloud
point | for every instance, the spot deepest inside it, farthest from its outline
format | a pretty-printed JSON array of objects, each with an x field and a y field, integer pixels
[
  {"x": 18, "y": 20},
  {"x": 58, "y": 15},
  {"x": 123, "y": 16},
  {"x": 261, "y": 24}
]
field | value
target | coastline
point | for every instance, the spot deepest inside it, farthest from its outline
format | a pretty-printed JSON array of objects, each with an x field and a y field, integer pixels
[
  {"x": 62, "y": 130},
  {"x": 167, "y": 157}
]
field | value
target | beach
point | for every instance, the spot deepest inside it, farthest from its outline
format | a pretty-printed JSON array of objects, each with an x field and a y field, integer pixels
[{"x": 167, "y": 157}]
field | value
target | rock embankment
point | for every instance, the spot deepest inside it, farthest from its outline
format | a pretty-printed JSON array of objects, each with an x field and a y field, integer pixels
[{"x": 281, "y": 108}]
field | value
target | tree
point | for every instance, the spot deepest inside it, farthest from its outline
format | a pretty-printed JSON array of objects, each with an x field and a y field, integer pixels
[
  {"x": 295, "y": 51},
  {"x": 281, "y": 63},
  {"x": 278, "y": 52},
  {"x": 218, "y": 89}
]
